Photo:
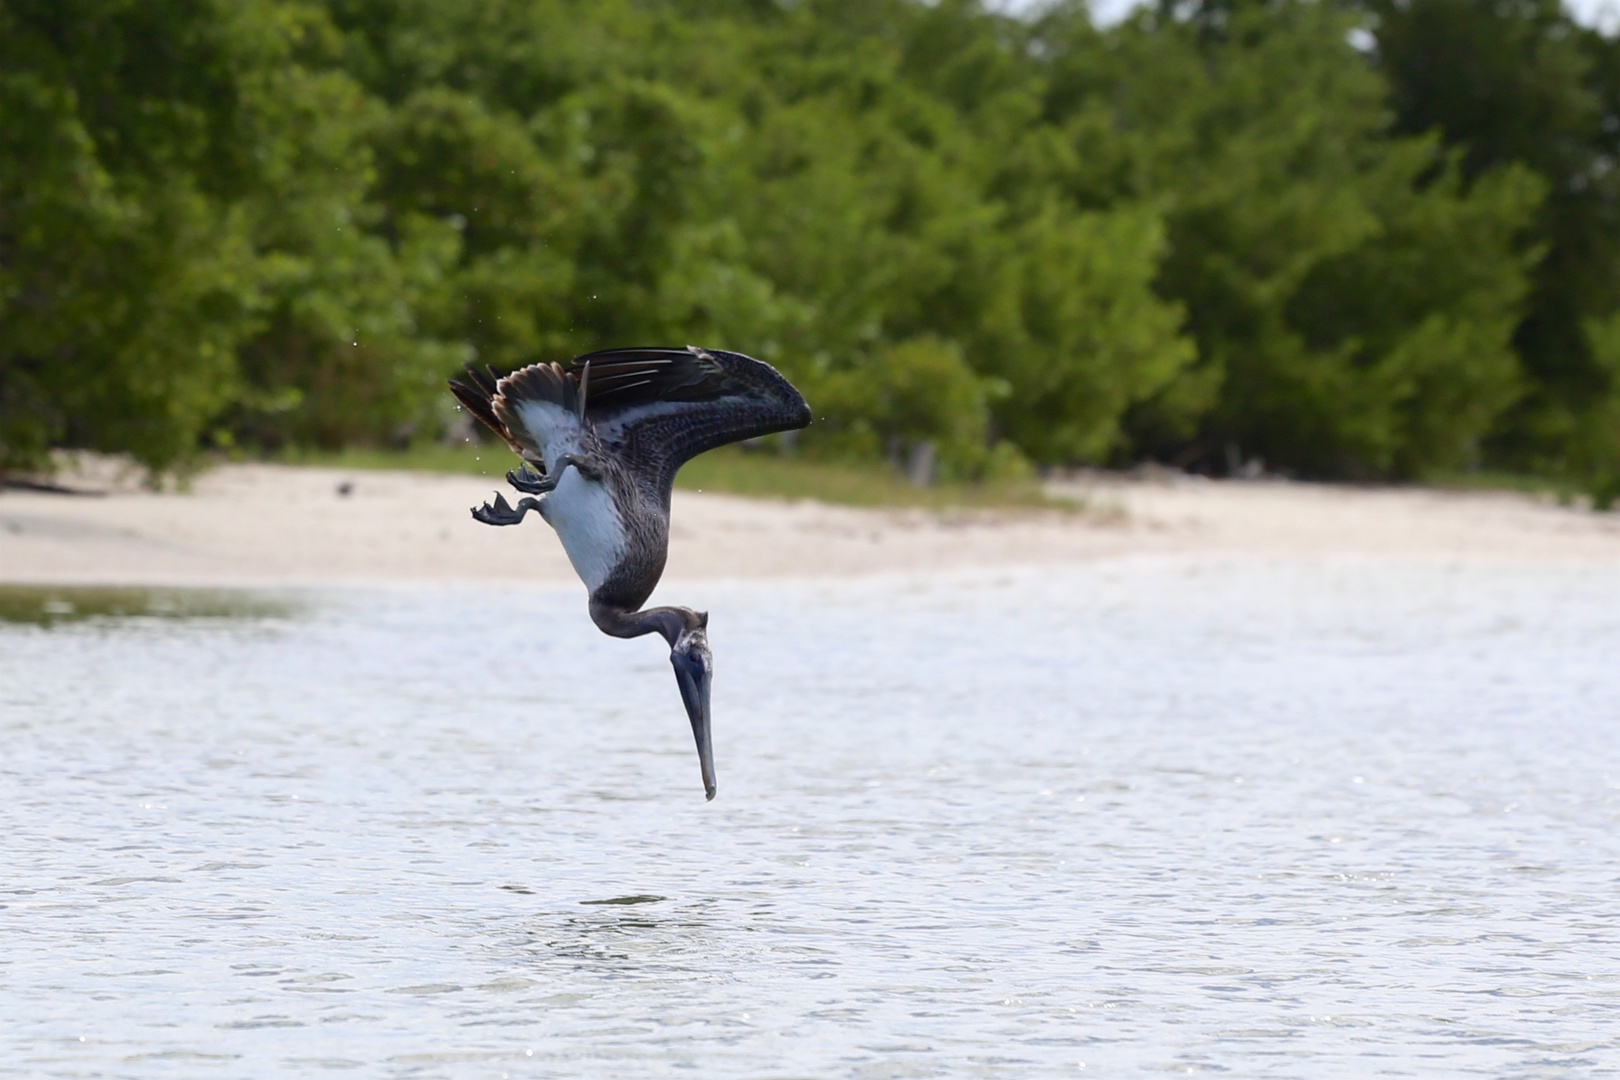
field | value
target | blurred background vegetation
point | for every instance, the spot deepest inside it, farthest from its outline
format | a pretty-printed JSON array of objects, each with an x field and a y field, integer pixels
[{"x": 1357, "y": 240}]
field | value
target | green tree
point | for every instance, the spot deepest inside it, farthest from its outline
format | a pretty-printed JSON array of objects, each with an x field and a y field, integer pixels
[
  {"x": 126, "y": 275},
  {"x": 347, "y": 349},
  {"x": 967, "y": 235},
  {"x": 185, "y": 243},
  {"x": 1519, "y": 82},
  {"x": 1352, "y": 300}
]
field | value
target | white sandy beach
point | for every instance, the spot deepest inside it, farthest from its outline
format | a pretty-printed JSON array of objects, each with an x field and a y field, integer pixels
[{"x": 269, "y": 525}]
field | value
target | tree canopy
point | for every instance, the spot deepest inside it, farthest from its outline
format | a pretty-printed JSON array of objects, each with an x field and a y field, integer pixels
[{"x": 1374, "y": 239}]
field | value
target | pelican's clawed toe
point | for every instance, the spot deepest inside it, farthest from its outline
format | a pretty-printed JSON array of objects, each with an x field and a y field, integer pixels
[{"x": 500, "y": 512}]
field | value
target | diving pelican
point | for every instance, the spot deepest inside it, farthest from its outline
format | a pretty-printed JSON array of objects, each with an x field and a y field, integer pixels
[{"x": 601, "y": 440}]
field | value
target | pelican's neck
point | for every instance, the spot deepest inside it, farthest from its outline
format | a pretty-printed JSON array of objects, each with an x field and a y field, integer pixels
[{"x": 671, "y": 622}]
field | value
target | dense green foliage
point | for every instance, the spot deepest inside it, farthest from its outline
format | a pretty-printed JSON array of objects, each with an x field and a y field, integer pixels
[
  {"x": 1368, "y": 240},
  {"x": 1516, "y": 81}
]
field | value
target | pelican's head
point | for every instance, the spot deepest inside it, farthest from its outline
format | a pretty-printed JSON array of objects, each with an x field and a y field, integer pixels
[{"x": 694, "y": 668}]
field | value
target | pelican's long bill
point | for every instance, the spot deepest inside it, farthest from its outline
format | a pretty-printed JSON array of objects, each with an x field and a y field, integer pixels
[{"x": 694, "y": 670}]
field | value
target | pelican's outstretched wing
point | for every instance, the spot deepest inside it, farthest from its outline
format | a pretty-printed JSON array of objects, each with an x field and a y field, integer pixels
[
  {"x": 653, "y": 408},
  {"x": 656, "y": 409}
]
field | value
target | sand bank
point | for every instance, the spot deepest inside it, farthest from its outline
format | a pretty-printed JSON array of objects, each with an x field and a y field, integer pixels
[{"x": 268, "y": 525}]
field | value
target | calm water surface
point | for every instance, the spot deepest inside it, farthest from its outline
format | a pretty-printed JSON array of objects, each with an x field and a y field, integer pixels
[{"x": 1267, "y": 819}]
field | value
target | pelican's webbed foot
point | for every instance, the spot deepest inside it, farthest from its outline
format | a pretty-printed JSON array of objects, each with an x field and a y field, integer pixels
[
  {"x": 530, "y": 482},
  {"x": 503, "y": 513}
]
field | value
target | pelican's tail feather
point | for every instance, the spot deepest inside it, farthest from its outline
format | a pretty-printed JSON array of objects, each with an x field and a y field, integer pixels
[
  {"x": 539, "y": 405},
  {"x": 539, "y": 382}
]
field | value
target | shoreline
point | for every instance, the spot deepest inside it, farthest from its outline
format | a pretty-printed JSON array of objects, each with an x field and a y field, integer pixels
[{"x": 258, "y": 525}]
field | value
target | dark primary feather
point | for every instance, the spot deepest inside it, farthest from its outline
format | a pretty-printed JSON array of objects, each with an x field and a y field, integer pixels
[
  {"x": 621, "y": 378},
  {"x": 477, "y": 396}
]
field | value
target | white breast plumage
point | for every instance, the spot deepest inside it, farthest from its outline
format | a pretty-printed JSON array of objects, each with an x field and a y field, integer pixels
[{"x": 588, "y": 524}]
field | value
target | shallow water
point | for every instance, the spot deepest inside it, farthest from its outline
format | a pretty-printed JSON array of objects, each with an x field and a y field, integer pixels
[{"x": 1275, "y": 820}]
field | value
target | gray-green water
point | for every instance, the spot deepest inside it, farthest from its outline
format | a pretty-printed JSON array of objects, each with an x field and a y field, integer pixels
[{"x": 1272, "y": 820}]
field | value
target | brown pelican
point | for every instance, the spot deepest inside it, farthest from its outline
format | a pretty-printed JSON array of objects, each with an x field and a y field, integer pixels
[{"x": 601, "y": 440}]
